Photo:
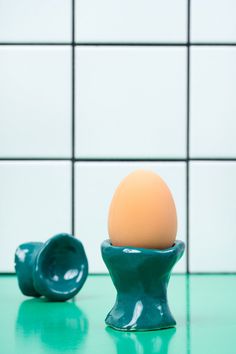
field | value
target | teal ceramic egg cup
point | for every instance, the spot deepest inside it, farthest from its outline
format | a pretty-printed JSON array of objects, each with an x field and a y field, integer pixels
[
  {"x": 141, "y": 277},
  {"x": 56, "y": 269}
]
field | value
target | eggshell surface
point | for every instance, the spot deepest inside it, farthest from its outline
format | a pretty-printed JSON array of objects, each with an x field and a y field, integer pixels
[{"x": 142, "y": 213}]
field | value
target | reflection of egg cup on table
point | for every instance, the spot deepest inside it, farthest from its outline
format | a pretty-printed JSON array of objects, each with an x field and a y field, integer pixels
[
  {"x": 56, "y": 269},
  {"x": 141, "y": 278},
  {"x": 43, "y": 321}
]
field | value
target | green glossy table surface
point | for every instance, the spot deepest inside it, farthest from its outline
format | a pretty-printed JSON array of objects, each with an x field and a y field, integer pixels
[{"x": 203, "y": 305}]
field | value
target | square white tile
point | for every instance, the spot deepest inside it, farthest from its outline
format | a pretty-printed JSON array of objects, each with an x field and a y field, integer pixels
[
  {"x": 35, "y": 21},
  {"x": 131, "y": 102},
  {"x": 212, "y": 216},
  {"x": 35, "y": 110},
  {"x": 213, "y": 21},
  {"x": 131, "y": 21},
  {"x": 213, "y": 104},
  {"x": 95, "y": 186},
  {"x": 35, "y": 204}
]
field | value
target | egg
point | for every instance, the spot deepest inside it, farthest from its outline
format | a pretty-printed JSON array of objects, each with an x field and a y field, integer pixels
[{"x": 142, "y": 213}]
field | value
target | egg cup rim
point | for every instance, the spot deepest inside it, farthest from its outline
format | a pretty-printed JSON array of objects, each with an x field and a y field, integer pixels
[
  {"x": 39, "y": 278},
  {"x": 177, "y": 246}
]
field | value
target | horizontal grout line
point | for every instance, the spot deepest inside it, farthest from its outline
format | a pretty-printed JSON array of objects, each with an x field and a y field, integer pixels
[
  {"x": 216, "y": 159},
  {"x": 213, "y": 159},
  {"x": 212, "y": 273},
  {"x": 132, "y": 44},
  {"x": 36, "y": 43},
  {"x": 93, "y": 159},
  {"x": 154, "y": 44},
  {"x": 212, "y": 44},
  {"x": 107, "y": 274},
  {"x": 122, "y": 44},
  {"x": 99, "y": 274},
  {"x": 108, "y": 44},
  {"x": 178, "y": 274},
  {"x": 129, "y": 160},
  {"x": 35, "y": 159},
  {"x": 181, "y": 274},
  {"x": 90, "y": 159}
]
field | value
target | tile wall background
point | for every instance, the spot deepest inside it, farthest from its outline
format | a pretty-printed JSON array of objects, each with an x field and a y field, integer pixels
[{"x": 91, "y": 90}]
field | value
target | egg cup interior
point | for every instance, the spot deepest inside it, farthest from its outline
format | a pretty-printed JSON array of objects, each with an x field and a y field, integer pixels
[
  {"x": 56, "y": 269},
  {"x": 141, "y": 277}
]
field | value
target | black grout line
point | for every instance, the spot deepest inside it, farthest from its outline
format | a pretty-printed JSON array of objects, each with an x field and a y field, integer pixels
[
  {"x": 156, "y": 44},
  {"x": 206, "y": 159},
  {"x": 188, "y": 137},
  {"x": 123, "y": 44},
  {"x": 73, "y": 123},
  {"x": 212, "y": 44},
  {"x": 213, "y": 273},
  {"x": 187, "y": 218},
  {"x": 35, "y": 44},
  {"x": 34, "y": 159},
  {"x": 175, "y": 274},
  {"x": 130, "y": 160},
  {"x": 131, "y": 44},
  {"x": 70, "y": 159}
]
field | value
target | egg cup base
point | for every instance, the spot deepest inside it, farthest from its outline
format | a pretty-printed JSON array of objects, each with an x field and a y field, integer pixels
[
  {"x": 141, "y": 277},
  {"x": 156, "y": 322}
]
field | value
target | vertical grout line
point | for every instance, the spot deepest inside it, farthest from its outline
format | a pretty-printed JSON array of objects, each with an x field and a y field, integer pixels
[
  {"x": 73, "y": 121},
  {"x": 188, "y": 136}
]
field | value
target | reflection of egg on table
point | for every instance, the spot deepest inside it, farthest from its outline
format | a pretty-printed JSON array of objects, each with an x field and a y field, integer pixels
[{"x": 142, "y": 212}]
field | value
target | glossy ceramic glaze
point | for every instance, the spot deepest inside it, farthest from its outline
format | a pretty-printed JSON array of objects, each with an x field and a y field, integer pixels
[
  {"x": 56, "y": 269},
  {"x": 141, "y": 278}
]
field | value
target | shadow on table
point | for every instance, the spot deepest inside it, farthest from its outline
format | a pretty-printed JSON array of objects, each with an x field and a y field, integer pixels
[
  {"x": 57, "y": 325},
  {"x": 151, "y": 342}
]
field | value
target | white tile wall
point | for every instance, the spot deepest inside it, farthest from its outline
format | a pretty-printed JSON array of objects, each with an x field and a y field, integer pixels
[
  {"x": 131, "y": 21},
  {"x": 35, "y": 21},
  {"x": 34, "y": 204},
  {"x": 95, "y": 186},
  {"x": 35, "y": 109},
  {"x": 213, "y": 103},
  {"x": 213, "y": 21},
  {"x": 212, "y": 216},
  {"x": 131, "y": 102}
]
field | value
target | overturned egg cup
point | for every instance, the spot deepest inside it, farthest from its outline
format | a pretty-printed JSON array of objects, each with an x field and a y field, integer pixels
[
  {"x": 141, "y": 277},
  {"x": 56, "y": 269}
]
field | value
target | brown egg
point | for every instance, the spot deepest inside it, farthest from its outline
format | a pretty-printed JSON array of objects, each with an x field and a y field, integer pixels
[{"x": 142, "y": 212}]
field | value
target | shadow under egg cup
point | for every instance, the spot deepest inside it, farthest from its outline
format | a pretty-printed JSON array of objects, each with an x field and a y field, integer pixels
[
  {"x": 141, "y": 277},
  {"x": 56, "y": 269}
]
